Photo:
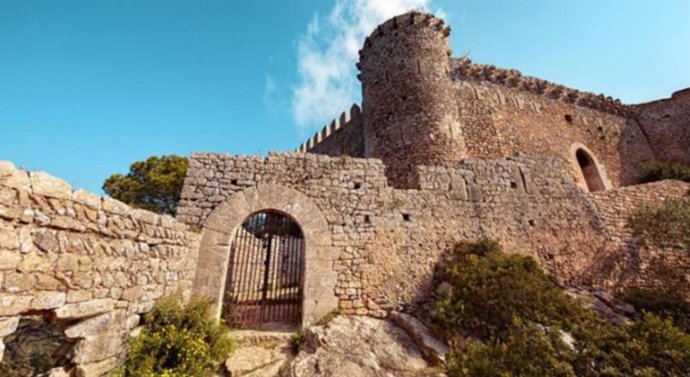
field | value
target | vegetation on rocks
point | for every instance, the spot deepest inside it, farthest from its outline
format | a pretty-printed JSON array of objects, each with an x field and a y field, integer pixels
[
  {"x": 178, "y": 341},
  {"x": 660, "y": 170},
  {"x": 154, "y": 184},
  {"x": 505, "y": 317},
  {"x": 666, "y": 224}
]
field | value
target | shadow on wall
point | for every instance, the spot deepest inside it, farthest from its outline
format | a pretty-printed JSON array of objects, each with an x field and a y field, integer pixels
[{"x": 633, "y": 153}]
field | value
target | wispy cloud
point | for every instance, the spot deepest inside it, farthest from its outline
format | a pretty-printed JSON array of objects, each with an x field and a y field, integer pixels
[{"x": 327, "y": 53}]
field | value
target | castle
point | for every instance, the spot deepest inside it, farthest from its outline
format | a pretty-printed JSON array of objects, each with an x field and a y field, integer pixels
[{"x": 441, "y": 150}]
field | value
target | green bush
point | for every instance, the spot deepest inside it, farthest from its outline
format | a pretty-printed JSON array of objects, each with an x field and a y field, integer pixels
[
  {"x": 662, "y": 304},
  {"x": 506, "y": 317},
  {"x": 178, "y": 341},
  {"x": 660, "y": 170},
  {"x": 526, "y": 351},
  {"x": 480, "y": 291},
  {"x": 665, "y": 225}
]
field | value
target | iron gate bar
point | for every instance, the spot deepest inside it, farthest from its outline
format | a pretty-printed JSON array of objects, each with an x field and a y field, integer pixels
[{"x": 265, "y": 272}]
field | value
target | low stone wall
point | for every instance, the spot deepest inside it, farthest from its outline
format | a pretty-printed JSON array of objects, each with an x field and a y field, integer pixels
[
  {"x": 89, "y": 264},
  {"x": 636, "y": 264}
]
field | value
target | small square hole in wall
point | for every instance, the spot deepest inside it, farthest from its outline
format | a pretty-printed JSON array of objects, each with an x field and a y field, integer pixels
[
  {"x": 407, "y": 217},
  {"x": 367, "y": 219},
  {"x": 568, "y": 118},
  {"x": 530, "y": 222},
  {"x": 513, "y": 185},
  {"x": 358, "y": 185},
  {"x": 233, "y": 182}
]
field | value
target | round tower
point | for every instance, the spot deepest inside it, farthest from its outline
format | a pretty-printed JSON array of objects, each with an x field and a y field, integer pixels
[{"x": 410, "y": 107}]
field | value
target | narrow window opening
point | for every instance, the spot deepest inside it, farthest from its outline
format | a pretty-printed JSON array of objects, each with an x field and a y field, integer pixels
[
  {"x": 407, "y": 217},
  {"x": 513, "y": 185},
  {"x": 589, "y": 170},
  {"x": 233, "y": 182},
  {"x": 568, "y": 118},
  {"x": 357, "y": 185},
  {"x": 367, "y": 219}
]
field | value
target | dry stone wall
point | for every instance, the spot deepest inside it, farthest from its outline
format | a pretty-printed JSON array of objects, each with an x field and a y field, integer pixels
[
  {"x": 92, "y": 265},
  {"x": 386, "y": 241}
]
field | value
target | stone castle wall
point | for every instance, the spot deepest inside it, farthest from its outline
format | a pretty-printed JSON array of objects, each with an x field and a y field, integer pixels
[
  {"x": 633, "y": 263},
  {"x": 501, "y": 121},
  {"x": 666, "y": 124},
  {"x": 91, "y": 265},
  {"x": 382, "y": 243}
]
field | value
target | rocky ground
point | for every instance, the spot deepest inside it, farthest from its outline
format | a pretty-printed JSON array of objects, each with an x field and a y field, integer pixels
[{"x": 347, "y": 346}]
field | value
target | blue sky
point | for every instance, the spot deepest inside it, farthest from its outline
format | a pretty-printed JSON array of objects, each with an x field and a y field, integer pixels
[{"x": 87, "y": 87}]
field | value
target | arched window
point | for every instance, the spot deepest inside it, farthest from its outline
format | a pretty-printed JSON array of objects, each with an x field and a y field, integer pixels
[
  {"x": 589, "y": 170},
  {"x": 265, "y": 274}
]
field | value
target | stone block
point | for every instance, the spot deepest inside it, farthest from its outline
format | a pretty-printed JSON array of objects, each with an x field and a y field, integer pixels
[
  {"x": 87, "y": 198},
  {"x": 9, "y": 260},
  {"x": 107, "y": 322},
  {"x": 12, "y": 304},
  {"x": 47, "y": 185},
  {"x": 85, "y": 309},
  {"x": 47, "y": 300},
  {"x": 18, "y": 179},
  {"x": 8, "y": 326},
  {"x": 97, "y": 348}
]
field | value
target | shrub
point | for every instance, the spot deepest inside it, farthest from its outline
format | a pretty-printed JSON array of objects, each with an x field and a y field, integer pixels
[
  {"x": 481, "y": 291},
  {"x": 660, "y": 170},
  {"x": 665, "y": 225},
  {"x": 663, "y": 304},
  {"x": 527, "y": 350},
  {"x": 518, "y": 319},
  {"x": 177, "y": 341}
]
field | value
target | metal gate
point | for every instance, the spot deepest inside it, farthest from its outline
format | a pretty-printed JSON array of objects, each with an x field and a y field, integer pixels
[{"x": 264, "y": 283}]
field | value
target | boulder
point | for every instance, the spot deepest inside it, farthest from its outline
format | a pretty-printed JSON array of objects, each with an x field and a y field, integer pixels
[
  {"x": 434, "y": 349},
  {"x": 358, "y": 346}
]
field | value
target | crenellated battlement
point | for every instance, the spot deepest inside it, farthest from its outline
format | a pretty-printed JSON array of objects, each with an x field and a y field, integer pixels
[
  {"x": 403, "y": 24},
  {"x": 464, "y": 68},
  {"x": 336, "y": 124}
]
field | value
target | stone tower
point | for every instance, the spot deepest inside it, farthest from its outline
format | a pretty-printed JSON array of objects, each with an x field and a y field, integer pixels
[{"x": 409, "y": 102}]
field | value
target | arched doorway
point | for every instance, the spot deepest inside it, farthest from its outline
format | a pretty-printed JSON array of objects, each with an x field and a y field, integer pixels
[
  {"x": 590, "y": 170},
  {"x": 264, "y": 284}
]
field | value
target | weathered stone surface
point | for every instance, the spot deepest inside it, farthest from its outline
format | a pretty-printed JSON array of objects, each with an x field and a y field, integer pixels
[
  {"x": 358, "y": 346},
  {"x": 87, "y": 198},
  {"x": 48, "y": 300},
  {"x": 97, "y": 348},
  {"x": 8, "y": 325},
  {"x": 45, "y": 184},
  {"x": 2, "y": 350},
  {"x": 96, "y": 369},
  {"x": 98, "y": 324},
  {"x": 58, "y": 372},
  {"x": 9, "y": 259},
  {"x": 85, "y": 309},
  {"x": 257, "y": 361},
  {"x": 12, "y": 304},
  {"x": 432, "y": 348},
  {"x": 46, "y": 241}
]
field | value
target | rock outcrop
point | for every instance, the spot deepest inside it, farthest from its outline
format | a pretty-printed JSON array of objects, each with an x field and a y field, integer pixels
[{"x": 359, "y": 346}]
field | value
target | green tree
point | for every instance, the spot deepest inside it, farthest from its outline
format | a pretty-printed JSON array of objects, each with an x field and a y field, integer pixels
[{"x": 154, "y": 184}]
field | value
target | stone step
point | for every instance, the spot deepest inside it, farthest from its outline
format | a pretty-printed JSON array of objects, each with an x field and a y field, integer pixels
[{"x": 245, "y": 338}]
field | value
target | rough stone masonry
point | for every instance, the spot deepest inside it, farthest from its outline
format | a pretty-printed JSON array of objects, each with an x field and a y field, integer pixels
[{"x": 442, "y": 150}]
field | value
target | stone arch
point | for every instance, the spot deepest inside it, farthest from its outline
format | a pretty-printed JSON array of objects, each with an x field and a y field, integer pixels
[
  {"x": 219, "y": 229},
  {"x": 590, "y": 173}
]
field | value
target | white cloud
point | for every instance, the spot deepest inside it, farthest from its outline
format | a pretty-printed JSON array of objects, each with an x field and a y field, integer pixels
[{"x": 327, "y": 53}]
